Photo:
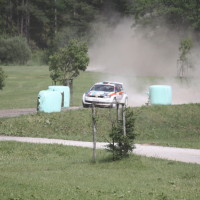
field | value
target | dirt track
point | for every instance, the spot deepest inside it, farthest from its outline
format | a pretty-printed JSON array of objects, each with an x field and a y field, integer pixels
[
  {"x": 17, "y": 112},
  {"x": 25, "y": 111}
]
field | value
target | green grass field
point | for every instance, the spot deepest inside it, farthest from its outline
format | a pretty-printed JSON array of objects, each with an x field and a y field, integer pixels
[
  {"x": 55, "y": 172},
  {"x": 41, "y": 171},
  {"x": 24, "y": 83}
]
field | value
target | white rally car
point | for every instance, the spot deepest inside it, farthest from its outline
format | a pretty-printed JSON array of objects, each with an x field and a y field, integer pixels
[{"x": 105, "y": 94}]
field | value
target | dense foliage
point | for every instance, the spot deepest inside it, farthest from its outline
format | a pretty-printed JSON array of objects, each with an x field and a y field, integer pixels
[
  {"x": 176, "y": 12},
  {"x": 14, "y": 50},
  {"x": 51, "y": 24},
  {"x": 43, "y": 21},
  {"x": 40, "y": 21}
]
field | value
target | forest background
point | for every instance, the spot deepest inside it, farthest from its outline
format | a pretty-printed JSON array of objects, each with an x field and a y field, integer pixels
[{"x": 50, "y": 24}]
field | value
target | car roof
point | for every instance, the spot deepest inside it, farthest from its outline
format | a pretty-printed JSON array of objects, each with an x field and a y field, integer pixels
[{"x": 108, "y": 82}]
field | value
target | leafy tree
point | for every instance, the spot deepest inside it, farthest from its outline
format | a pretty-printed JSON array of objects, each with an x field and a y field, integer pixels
[
  {"x": 67, "y": 63},
  {"x": 2, "y": 78},
  {"x": 184, "y": 62},
  {"x": 121, "y": 144}
]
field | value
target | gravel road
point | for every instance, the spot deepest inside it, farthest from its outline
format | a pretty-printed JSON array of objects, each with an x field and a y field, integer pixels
[
  {"x": 25, "y": 111},
  {"x": 169, "y": 153},
  {"x": 17, "y": 112}
]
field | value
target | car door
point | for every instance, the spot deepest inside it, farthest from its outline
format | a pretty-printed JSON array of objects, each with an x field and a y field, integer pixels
[{"x": 119, "y": 92}]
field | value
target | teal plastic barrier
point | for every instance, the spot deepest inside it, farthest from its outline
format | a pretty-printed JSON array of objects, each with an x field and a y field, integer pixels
[
  {"x": 49, "y": 101},
  {"x": 160, "y": 95},
  {"x": 65, "y": 91}
]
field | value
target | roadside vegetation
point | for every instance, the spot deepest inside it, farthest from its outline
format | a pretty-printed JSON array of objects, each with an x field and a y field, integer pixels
[
  {"x": 176, "y": 125},
  {"x": 41, "y": 171}
]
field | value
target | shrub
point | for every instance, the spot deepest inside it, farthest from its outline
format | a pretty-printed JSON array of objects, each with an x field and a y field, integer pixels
[
  {"x": 121, "y": 145},
  {"x": 14, "y": 50}
]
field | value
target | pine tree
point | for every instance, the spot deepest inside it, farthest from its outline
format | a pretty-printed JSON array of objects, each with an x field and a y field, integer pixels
[{"x": 121, "y": 145}]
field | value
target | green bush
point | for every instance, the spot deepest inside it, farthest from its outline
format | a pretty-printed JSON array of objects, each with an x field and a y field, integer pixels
[
  {"x": 122, "y": 144},
  {"x": 14, "y": 50},
  {"x": 2, "y": 78}
]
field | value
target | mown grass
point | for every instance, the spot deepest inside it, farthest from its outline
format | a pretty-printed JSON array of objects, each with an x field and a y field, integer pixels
[
  {"x": 176, "y": 125},
  {"x": 24, "y": 83},
  {"x": 39, "y": 171}
]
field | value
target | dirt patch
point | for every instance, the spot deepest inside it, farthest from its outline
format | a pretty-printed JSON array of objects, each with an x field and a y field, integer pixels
[
  {"x": 25, "y": 111},
  {"x": 17, "y": 112}
]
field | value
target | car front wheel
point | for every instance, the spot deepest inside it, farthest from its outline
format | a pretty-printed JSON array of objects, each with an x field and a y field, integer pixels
[
  {"x": 85, "y": 105},
  {"x": 114, "y": 103}
]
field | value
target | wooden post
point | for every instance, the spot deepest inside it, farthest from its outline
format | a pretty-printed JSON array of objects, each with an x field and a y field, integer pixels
[
  {"x": 124, "y": 119},
  {"x": 118, "y": 112},
  {"x": 94, "y": 132},
  {"x": 71, "y": 92}
]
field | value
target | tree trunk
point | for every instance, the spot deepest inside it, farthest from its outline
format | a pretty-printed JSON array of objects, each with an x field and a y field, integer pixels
[
  {"x": 69, "y": 83},
  {"x": 118, "y": 112},
  {"x": 27, "y": 20},
  {"x": 124, "y": 119},
  {"x": 22, "y": 20},
  {"x": 72, "y": 92},
  {"x": 11, "y": 17},
  {"x": 55, "y": 18},
  {"x": 18, "y": 20}
]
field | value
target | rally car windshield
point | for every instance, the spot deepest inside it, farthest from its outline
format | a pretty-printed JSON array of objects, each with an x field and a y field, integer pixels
[{"x": 105, "y": 88}]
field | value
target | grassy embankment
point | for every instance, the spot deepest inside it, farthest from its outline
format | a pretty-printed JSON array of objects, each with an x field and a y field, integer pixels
[{"x": 161, "y": 125}]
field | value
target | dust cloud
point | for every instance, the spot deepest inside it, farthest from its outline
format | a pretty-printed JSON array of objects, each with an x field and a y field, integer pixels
[{"x": 140, "y": 57}]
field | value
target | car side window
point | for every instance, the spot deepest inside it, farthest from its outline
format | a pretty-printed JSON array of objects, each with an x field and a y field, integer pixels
[{"x": 118, "y": 88}]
